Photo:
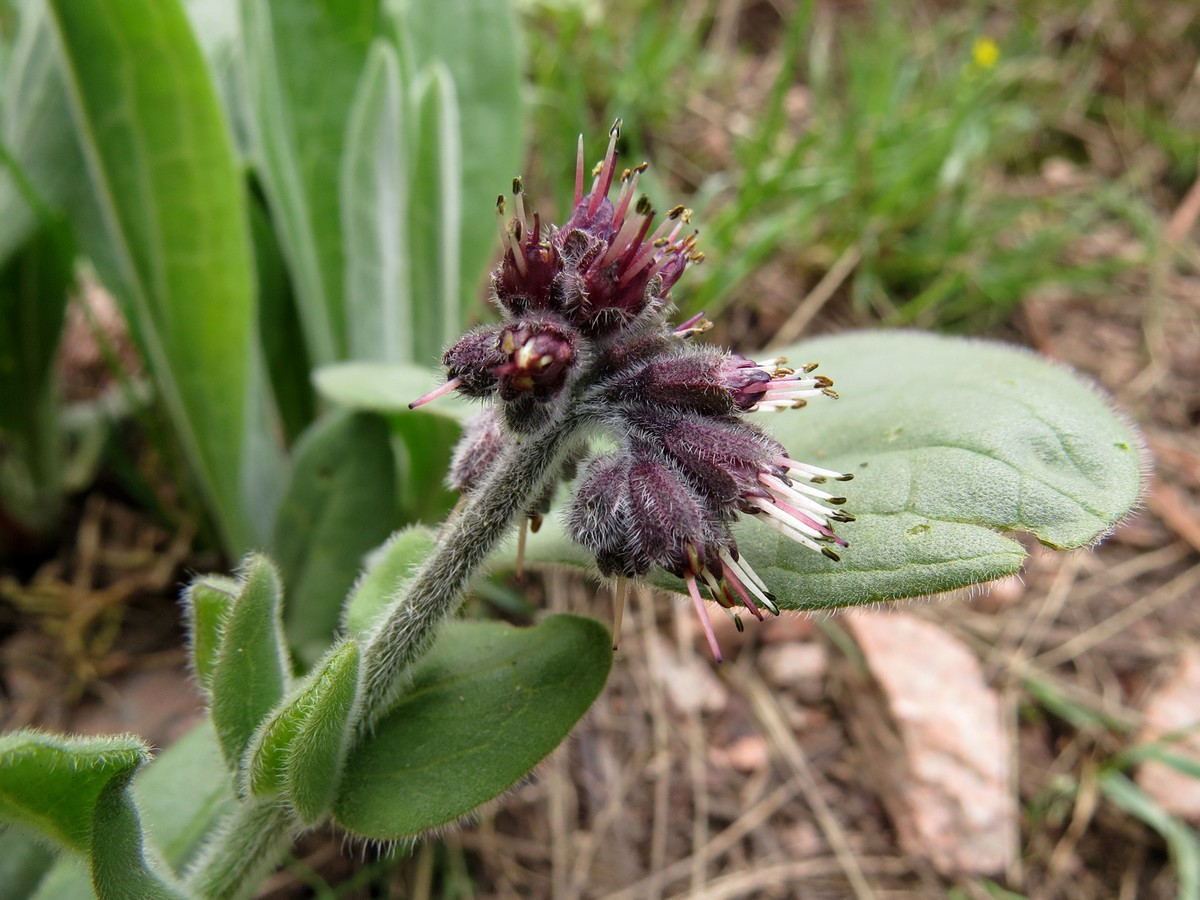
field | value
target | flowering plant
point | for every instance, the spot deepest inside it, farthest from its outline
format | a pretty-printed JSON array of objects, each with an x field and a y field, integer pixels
[{"x": 410, "y": 720}]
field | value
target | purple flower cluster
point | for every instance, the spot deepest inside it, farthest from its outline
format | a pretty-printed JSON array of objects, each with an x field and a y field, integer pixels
[{"x": 585, "y": 309}]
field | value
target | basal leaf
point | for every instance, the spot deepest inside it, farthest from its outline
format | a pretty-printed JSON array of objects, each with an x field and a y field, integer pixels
[
  {"x": 303, "y": 63},
  {"x": 252, "y": 672},
  {"x": 162, "y": 168},
  {"x": 375, "y": 212},
  {"x": 482, "y": 55},
  {"x": 485, "y": 706},
  {"x": 53, "y": 784},
  {"x": 385, "y": 388},
  {"x": 182, "y": 795},
  {"x": 120, "y": 867},
  {"x": 436, "y": 231},
  {"x": 340, "y": 505},
  {"x": 386, "y": 568},
  {"x": 951, "y": 442}
]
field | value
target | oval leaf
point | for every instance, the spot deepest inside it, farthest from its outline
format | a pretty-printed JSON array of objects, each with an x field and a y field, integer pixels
[
  {"x": 53, "y": 784},
  {"x": 387, "y": 567},
  {"x": 341, "y": 503},
  {"x": 951, "y": 441},
  {"x": 252, "y": 671},
  {"x": 486, "y": 704}
]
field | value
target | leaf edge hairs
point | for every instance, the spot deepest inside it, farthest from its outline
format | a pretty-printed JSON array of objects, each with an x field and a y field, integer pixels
[{"x": 585, "y": 329}]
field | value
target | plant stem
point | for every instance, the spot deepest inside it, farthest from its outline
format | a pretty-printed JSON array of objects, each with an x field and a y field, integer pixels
[
  {"x": 259, "y": 832},
  {"x": 249, "y": 845},
  {"x": 516, "y": 481}
]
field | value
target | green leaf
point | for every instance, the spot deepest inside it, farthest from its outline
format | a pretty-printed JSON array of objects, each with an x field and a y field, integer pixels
[
  {"x": 424, "y": 445},
  {"x": 41, "y": 170},
  {"x": 119, "y": 864},
  {"x": 207, "y": 602},
  {"x": 481, "y": 52},
  {"x": 375, "y": 210},
  {"x": 24, "y": 862},
  {"x": 303, "y": 62},
  {"x": 340, "y": 505},
  {"x": 252, "y": 670},
  {"x": 950, "y": 441},
  {"x": 52, "y": 784},
  {"x": 302, "y": 747},
  {"x": 183, "y": 794},
  {"x": 485, "y": 706},
  {"x": 386, "y": 569},
  {"x": 163, "y": 170},
  {"x": 33, "y": 299},
  {"x": 386, "y": 388},
  {"x": 437, "y": 213},
  {"x": 317, "y": 754},
  {"x": 280, "y": 332}
]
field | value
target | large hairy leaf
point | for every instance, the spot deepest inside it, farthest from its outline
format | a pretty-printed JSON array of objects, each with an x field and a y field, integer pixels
[
  {"x": 163, "y": 171},
  {"x": 303, "y": 63},
  {"x": 951, "y": 442},
  {"x": 485, "y": 706}
]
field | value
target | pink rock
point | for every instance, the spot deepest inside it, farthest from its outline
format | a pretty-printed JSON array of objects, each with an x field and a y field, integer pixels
[
  {"x": 1174, "y": 710},
  {"x": 946, "y": 783}
]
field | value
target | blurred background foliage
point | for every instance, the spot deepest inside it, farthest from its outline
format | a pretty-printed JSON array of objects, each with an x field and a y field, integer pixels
[{"x": 219, "y": 284}]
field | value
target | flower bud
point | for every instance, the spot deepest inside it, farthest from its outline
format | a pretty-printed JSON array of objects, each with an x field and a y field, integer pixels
[
  {"x": 538, "y": 355},
  {"x": 481, "y": 442}
]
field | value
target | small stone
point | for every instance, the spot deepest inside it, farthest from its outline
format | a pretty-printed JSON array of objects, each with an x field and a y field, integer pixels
[
  {"x": 946, "y": 782},
  {"x": 1174, "y": 710}
]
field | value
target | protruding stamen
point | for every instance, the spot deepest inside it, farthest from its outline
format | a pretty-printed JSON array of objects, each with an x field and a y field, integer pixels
[
  {"x": 518, "y": 187},
  {"x": 446, "y": 388},
  {"x": 628, "y": 189},
  {"x": 618, "y": 608},
  {"x": 604, "y": 182},
  {"x": 521, "y": 536},
  {"x": 578, "y": 172},
  {"x": 505, "y": 238},
  {"x": 702, "y": 612}
]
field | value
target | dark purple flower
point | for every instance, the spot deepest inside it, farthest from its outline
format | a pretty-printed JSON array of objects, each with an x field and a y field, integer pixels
[{"x": 585, "y": 333}]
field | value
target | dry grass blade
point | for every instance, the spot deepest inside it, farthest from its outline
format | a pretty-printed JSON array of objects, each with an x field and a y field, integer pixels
[{"x": 770, "y": 717}]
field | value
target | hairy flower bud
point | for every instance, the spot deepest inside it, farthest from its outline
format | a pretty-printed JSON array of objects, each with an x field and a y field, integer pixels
[
  {"x": 538, "y": 356},
  {"x": 585, "y": 346},
  {"x": 481, "y": 442}
]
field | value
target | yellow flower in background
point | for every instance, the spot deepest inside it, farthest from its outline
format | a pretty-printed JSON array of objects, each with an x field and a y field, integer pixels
[{"x": 985, "y": 53}]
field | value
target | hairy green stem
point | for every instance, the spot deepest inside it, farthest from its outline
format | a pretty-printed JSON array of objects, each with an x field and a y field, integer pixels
[
  {"x": 248, "y": 846},
  {"x": 257, "y": 835},
  {"x": 516, "y": 481}
]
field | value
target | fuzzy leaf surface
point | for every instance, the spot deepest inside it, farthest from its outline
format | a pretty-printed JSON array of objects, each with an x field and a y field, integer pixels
[
  {"x": 386, "y": 568},
  {"x": 951, "y": 442},
  {"x": 486, "y": 704},
  {"x": 52, "y": 783},
  {"x": 341, "y": 503},
  {"x": 303, "y": 63},
  {"x": 183, "y": 794},
  {"x": 162, "y": 168},
  {"x": 481, "y": 55},
  {"x": 375, "y": 211},
  {"x": 252, "y": 672}
]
